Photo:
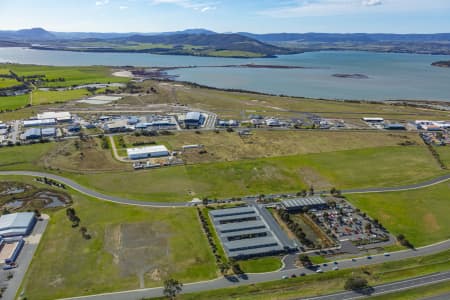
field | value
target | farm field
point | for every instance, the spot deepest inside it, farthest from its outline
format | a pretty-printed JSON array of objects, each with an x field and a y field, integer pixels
[
  {"x": 421, "y": 215},
  {"x": 225, "y": 146},
  {"x": 46, "y": 97},
  {"x": 71, "y": 75},
  {"x": 171, "y": 241},
  {"x": 13, "y": 102},
  {"x": 331, "y": 282},
  {"x": 8, "y": 83}
]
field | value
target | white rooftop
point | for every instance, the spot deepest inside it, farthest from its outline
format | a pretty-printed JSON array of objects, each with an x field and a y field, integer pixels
[
  {"x": 149, "y": 149},
  {"x": 60, "y": 116}
]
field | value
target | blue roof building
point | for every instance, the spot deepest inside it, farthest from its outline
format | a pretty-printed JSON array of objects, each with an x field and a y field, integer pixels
[
  {"x": 194, "y": 119},
  {"x": 32, "y": 134},
  {"x": 48, "y": 132},
  {"x": 17, "y": 224}
]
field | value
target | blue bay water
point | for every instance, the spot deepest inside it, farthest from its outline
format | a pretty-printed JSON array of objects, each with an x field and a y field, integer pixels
[{"x": 391, "y": 75}]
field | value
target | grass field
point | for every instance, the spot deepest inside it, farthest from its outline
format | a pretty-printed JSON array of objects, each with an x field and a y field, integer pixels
[
  {"x": 130, "y": 248},
  {"x": 27, "y": 157},
  {"x": 444, "y": 153},
  {"x": 46, "y": 97},
  {"x": 418, "y": 293},
  {"x": 319, "y": 284},
  {"x": 13, "y": 102},
  {"x": 421, "y": 215},
  {"x": 72, "y": 75},
  {"x": 261, "y": 265},
  {"x": 342, "y": 169},
  {"x": 224, "y": 146},
  {"x": 8, "y": 83}
]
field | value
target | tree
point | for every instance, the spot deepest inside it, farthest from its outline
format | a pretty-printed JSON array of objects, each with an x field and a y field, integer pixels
[
  {"x": 172, "y": 287},
  {"x": 356, "y": 283},
  {"x": 305, "y": 260},
  {"x": 311, "y": 191},
  {"x": 205, "y": 201}
]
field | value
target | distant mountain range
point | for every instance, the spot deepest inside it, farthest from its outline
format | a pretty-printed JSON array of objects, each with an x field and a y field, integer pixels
[{"x": 209, "y": 43}]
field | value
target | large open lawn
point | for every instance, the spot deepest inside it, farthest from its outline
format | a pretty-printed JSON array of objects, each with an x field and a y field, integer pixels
[
  {"x": 71, "y": 75},
  {"x": 46, "y": 97},
  {"x": 130, "y": 248},
  {"x": 8, "y": 83},
  {"x": 13, "y": 102},
  {"x": 421, "y": 215}
]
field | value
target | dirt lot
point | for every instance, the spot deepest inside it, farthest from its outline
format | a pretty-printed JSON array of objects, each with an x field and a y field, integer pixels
[
  {"x": 86, "y": 155},
  {"x": 139, "y": 249}
]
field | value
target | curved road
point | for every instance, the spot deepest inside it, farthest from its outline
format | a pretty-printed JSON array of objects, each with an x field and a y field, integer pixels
[
  {"x": 251, "y": 278},
  {"x": 151, "y": 203}
]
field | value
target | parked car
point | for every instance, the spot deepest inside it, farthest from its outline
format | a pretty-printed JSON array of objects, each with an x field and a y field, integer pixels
[{"x": 319, "y": 271}]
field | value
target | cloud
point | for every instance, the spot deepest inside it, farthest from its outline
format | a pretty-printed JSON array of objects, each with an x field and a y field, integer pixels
[
  {"x": 123, "y": 7},
  {"x": 199, "y": 5},
  {"x": 206, "y": 8},
  {"x": 372, "y": 2},
  {"x": 319, "y": 8},
  {"x": 101, "y": 2}
]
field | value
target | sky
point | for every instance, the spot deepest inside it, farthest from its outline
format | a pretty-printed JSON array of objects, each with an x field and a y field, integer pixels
[{"x": 257, "y": 16}]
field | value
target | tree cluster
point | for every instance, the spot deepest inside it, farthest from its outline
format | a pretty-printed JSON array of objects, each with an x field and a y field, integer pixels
[
  {"x": 296, "y": 229},
  {"x": 356, "y": 283},
  {"x": 404, "y": 242}
]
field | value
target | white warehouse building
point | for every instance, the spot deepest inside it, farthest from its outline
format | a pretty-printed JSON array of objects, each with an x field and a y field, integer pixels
[{"x": 146, "y": 152}]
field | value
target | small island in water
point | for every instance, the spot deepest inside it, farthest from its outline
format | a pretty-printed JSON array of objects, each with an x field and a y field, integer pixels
[
  {"x": 351, "y": 76},
  {"x": 442, "y": 64}
]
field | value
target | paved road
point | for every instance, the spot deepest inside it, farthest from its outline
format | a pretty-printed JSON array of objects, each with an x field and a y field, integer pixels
[
  {"x": 152, "y": 203},
  {"x": 92, "y": 193},
  {"x": 271, "y": 276},
  {"x": 24, "y": 258},
  {"x": 389, "y": 287}
]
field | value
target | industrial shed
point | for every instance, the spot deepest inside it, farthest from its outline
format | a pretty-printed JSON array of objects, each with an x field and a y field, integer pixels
[
  {"x": 307, "y": 202},
  {"x": 297, "y": 204},
  {"x": 146, "y": 152},
  {"x": 42, "y": 122},
  {"x": 246, "y": 231},
  {"x": 63, "y": 116},
  {"x": 32, "y": 134},
  {"x": 17, "y": 224},
  {"x": 194, "y": 119}
]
